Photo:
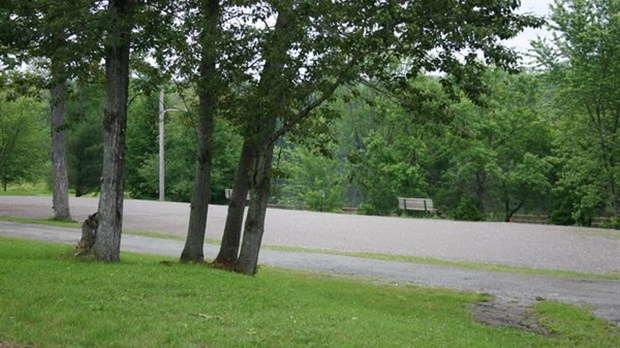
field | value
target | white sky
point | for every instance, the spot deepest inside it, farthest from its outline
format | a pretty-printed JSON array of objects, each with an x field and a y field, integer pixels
[{"x": 537, "y": 7}]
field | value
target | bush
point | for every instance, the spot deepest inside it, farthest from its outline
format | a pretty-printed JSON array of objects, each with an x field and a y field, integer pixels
[{"x": 467, "y": 211}]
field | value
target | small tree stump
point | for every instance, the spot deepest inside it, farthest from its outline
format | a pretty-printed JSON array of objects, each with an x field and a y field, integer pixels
[{"x": 89, "y": 236}]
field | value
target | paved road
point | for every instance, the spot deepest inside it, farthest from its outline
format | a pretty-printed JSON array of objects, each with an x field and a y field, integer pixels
[{"x": 554, "y": 247}]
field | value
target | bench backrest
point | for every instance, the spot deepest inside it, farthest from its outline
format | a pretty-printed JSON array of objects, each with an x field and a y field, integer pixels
[{"x": 423, "y": 204}]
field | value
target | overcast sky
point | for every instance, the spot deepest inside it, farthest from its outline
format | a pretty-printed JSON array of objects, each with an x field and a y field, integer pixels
[{"x": 537, "y": 7}]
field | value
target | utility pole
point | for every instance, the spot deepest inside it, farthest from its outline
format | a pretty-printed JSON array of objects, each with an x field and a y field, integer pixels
[
  {"x": 162, "y": 170},
  {"x": 162, "y": 111}
]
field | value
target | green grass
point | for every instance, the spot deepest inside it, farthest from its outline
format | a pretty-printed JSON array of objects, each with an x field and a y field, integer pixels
[
  {"x": 374, "y": 256},
  {"x": 47, "y": 222},
  {"x": 49, "y": 300},
  {"x": 27, "y": 189},
  {"x": 600, "y": 233},
  {"x": 575, "y": 327}
]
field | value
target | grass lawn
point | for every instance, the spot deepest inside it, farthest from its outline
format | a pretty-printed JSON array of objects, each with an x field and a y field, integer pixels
[
  {"x": 27, "y": 189},
  {"x": 50, "y": 300}
]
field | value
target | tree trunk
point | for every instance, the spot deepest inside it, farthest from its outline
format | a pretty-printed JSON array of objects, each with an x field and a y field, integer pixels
[
  {"x": 89, "y": 236},
  {"x": 615, "y": 197},
  {"x": 110, "y": 213},
  {"x": 229, "y": 248},
  {"x": 194, "y": 243},
  {"x": 274, "y": 97},
  {"x": 510, "y": 212},
  {"x": 480, "y": 190},
  {"x": 255, "y": 222},
  {"x": 60, "y": 179},
  {"x": 207, "y": 90}
]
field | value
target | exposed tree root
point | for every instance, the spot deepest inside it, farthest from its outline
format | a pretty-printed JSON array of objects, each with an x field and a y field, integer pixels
[{"x": 85, "y": 245}]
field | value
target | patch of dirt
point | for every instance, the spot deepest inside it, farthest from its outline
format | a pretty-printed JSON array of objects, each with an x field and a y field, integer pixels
[
  {"x": 501, "y": 312},
  {"x": 224, "y": 266}
]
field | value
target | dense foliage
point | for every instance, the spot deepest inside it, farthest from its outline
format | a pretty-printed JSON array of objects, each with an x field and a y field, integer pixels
[
  {"x": 474, "y": 160},
  {"x": 24, "y": 140},
  {"x": 583, "y": 61}
]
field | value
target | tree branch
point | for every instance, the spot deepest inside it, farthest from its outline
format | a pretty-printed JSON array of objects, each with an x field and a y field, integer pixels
[{"x": 302, "y": 114}]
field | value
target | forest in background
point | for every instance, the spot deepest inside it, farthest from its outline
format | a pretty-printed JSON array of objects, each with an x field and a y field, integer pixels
[{"x": 517, "y": 150}]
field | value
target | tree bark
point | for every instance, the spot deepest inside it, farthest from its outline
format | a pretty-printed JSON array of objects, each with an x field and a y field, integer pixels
[
  {"x": 60, "y": 178},
  {"x": 274, "y": 97},
  {"x": 110, "y": 213},
  {"x": 207, "y": 90},
  {"x": 255, "y": 222},
  {"x": 229, "y": 248},
  {"x": 89, "y": 236}
]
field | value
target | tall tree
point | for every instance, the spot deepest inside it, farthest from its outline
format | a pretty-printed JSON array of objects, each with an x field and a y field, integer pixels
[
  {"x": 57, "y": 37},
  {"x": 209, "y": 14},
  {"x": 292, "y": 84},
  {"x": 583, "y": 57},
  {"x": 498, "y": 150},
  {"x": 329, "y": 44},
  {"x": 119, "y": 25},
  {"x": 60, "y": 175},
  {"x": 271, "y": 93}
]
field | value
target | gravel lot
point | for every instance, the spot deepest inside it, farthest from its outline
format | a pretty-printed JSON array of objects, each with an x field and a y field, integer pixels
[{"x": 535, "y": 246}]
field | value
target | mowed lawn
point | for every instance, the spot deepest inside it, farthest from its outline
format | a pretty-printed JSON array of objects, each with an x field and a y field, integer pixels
[{"x": 48, "y": 299}]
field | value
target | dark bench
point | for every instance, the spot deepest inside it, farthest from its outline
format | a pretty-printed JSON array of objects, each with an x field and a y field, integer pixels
[{"x": 418, "y": 204}]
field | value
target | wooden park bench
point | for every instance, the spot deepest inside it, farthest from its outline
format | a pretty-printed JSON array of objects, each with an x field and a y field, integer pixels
[{"x": 418, "y": 204}]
